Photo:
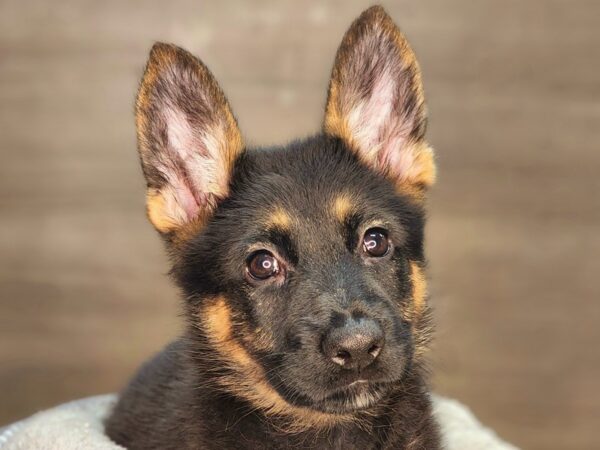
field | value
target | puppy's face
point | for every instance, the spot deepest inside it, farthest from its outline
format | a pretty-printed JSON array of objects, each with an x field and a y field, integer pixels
[{"x": 302, "y": 265}]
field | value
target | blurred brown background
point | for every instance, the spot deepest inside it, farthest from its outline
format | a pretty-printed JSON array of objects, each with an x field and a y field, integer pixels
[{"x": 514, "y": 240}]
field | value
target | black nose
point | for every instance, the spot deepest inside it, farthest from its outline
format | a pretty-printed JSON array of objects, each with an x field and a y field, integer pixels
[{"x": 355, "y": 345}]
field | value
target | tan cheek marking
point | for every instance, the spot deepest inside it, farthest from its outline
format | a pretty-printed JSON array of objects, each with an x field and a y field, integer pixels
[
  {"x": 421, "y": 328},
  {"x": 217, "y": 321},
  {"x": 249, "y": 379},
  {"x": 342, "y": 206},
  {"x": 419, "y": 288}
]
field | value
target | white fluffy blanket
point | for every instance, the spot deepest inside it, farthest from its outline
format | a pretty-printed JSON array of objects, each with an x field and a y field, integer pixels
[{"x": 78, "y": 425}]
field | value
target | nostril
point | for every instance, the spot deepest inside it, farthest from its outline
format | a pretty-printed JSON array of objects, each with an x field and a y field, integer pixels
[
  {"x": 341, "y": 357},
  {"x": 343, "y": 354},
  {"x": 374, "y": 350}
]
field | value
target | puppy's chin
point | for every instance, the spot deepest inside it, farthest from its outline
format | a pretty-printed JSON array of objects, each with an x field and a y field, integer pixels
[{"x": 358, "y": 396}]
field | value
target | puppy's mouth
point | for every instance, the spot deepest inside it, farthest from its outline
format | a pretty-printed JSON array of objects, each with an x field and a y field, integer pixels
[
  {"x": 337, "y": 391},
  {"x": 357, "y": 396}
]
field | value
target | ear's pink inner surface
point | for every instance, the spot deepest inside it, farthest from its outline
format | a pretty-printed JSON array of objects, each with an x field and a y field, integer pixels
[{"x": 193, "y": 166}]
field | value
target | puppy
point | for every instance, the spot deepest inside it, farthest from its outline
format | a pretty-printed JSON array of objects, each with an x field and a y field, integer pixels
[{"x": 301, "y": 266}]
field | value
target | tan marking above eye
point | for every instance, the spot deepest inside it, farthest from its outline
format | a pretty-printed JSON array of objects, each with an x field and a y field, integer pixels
[
  {"x": 342, "y": 206},
  {"x": 279, "y": 218}
]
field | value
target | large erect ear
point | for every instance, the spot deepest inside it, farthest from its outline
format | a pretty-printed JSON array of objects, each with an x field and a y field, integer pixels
[
  {"x": 375, "y": 101},
  {"x": 187, "y": 137}
]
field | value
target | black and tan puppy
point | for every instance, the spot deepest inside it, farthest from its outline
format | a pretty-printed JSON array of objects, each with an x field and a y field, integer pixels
[{"x": 301, "y": 266}]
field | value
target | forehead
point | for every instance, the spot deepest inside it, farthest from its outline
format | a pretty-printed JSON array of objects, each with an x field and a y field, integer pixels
[
  {"x": 312, "y": 184},
  {"x": 307, "y": 179}
]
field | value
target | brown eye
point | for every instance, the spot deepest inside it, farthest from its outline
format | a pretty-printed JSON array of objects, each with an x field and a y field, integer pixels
[
  {"x": 262, "y": 265},
  {"x": 376, "y": 242}
]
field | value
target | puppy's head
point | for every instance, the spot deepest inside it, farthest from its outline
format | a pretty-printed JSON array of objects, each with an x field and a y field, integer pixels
[{"x": 301, "y": 265}]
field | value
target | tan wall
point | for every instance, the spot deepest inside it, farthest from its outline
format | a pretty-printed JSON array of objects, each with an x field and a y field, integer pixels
[{"x": 514, "y": 237}]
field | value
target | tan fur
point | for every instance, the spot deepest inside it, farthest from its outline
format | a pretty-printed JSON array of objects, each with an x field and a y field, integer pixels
[
  {"x": 155, "y": 207},
  {"x": 418, "y": 314},
  {"x": 279, "y": 218},
  {"x": 419, "y": 289},
  {"x": 416, "y": 187},
  {"x": 248, "y": 379},
  {"x": 426, "y": 175},
  {"x": 217, "y": 320},
  {"x": 335, "y": 123},
  {"x": 342, "y": 206}
]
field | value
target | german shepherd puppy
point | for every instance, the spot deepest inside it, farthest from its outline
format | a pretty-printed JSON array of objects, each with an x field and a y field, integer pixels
[{"x": 301, "y": 265}]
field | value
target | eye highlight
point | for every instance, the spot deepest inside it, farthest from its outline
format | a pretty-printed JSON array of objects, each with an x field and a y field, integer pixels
[
  {"x": 376, "y": 243},
  {"x": 262, "y": 265}
]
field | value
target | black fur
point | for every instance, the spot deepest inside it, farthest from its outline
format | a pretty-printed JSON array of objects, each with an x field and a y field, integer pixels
[
  {"x": 263, "y": 362},
  {"x": 173, "y": 402}
]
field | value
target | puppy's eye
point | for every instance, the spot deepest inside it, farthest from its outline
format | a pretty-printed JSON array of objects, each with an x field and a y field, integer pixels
[
  {"x": 262, "y": 265},
  {"x": 376, "y": 243}
]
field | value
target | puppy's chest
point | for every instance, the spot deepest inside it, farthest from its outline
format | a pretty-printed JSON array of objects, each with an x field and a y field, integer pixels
[
  {"x": 336, "y": 439},
  {"x": 342, "y": 440}
]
